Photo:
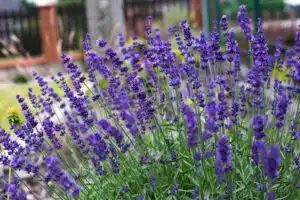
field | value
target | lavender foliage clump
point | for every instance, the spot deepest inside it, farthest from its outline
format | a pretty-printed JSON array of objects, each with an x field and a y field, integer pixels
[{"x": 164, "y": 116}]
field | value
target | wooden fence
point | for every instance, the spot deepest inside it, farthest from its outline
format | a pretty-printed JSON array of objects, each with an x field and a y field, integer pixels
[{"x": 20, "y": 30}]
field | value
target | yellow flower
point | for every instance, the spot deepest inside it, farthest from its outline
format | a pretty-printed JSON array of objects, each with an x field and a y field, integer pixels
[
  {"x": 13, "y": 115},
  {"x": 12, "y": 111}
]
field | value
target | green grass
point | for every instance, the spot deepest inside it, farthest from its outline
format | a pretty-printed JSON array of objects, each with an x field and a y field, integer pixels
[{"x": 8, "y": 98}]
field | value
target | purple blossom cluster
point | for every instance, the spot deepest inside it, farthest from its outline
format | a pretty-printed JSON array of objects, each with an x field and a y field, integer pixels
[
  {"x": 61, "y": 177},
  {"x": 268, "y": 157},
  {"x": 191, "y": 123},
  {"x": 223, "y": 158},
  {"x": 146, "y": 120},
  {"x": 258, "y": 123},
  {"x": 245, "y": 22}
]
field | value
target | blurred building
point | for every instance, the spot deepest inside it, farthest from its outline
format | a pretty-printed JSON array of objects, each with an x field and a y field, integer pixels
[
  {"x": 10, "y": 4},
  {"x": 294, "y": 5}
]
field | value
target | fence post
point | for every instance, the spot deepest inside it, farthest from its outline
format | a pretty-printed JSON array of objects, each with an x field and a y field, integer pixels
[
  {"x": 257, "y": 12},
  {"x": 205, "y": 17},
  {"x": 49, "y": 31},
  {"x": 105, "y": 18},
  {"x": 197, "y": 8},
  {"x": 218, "y": 14}
]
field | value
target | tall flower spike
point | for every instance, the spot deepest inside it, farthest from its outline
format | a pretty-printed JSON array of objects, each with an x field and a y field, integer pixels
[
  {"x": 188, "y": 37},
  {"x": 281, "y": 104},
  {"x": 203, "y": 50},
  {"x": 259, "y": 149},
  {"x": 121, "y": 40},
  {"x": 231, "y": 46},
  {"x": 258, "y": 123},
  {"x": 111, "y": 130},
  {"x": 223, "y": 158},
  {"x": 296, "y": 73},
  {"x": 87, "y": 43},
  {"x": 11, "y": 146},
  {"x": 13, "y": 190},
  {"x": 215, "y": 44},
  {"x": 224, "y": 23},
  {"x": 191, "y": 123},
  {"x": 278, "y": 47},
  {"x": 245, "y": 22},
  {"x": 196, "y": 194},
  {"x": 59, "y": 176},
  {"x": 297, "y": 42},
  {"x": 260, "y": 52},
  {"x": 271, "y": 162}
]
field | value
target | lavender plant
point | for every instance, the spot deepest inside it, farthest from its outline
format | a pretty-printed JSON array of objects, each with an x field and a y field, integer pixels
[{"x": 146, "y": 124}]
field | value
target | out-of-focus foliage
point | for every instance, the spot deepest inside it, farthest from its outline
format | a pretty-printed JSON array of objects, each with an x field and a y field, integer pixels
[
  {"x": 69, "y": 2},
  {"x": 282, "y": 74},
  {"x": 233, "y": 6},
  {"x": 20, "y": 78},
  {"x": 175, "y": 14}
]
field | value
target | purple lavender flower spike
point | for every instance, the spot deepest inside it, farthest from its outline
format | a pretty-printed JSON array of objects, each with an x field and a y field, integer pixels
[
  {"x": 258, "y": 150},
  {"x": 296, "y": 134},
  {"x": 191, "y": 123},
  {"x": 245, "y": 22},
  {"x": 87, "y": 43},
  {"x": 196, "y": 193},
  {"x": 153, "y": 180},
  {"x": 140, "y": 197},
  {"x": 290, "y": 60},
  {"x": 222, "y": 108},
  {"x": 172, "y": 191},
  {"x": 7, "y": 143},
  {"x": 215, "y": 44},
  {"x": 231, "y": 46},
  {"x": 59, "y": 176},
  {"x": 296, "y": 73},
  {"x": 234, "y": 112},
  {"x": 281, "y": 105},
  {"x": 111, "y": 130},
  {"x": 271, "y": 196},
  {"x": 13, "y": 190},
  {"x": 224, "y": 23},
  {"x": 101, "y": 43},
  {"x": 258, "y": 123},
  {"x": 121, "y": 39},
  {"x": 278, "y": 47},
  {"x": 197, "y": 156},
  {"x": 203, "y": 50},
  {"x": 20, "y": 162},
  {"x": 130, "y": 122},
  {"x": 223, "y": 158},
  {"x": 271, "y": 162},
  {"x": 297, "y": 43},
  {"x": 188, "y": 37},
  {"x": 48, "y": 127},
  {"x": 125, "y": 188}
]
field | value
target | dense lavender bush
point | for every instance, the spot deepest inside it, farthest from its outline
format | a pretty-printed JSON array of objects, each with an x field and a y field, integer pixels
[{"x": 147, "y": 124}]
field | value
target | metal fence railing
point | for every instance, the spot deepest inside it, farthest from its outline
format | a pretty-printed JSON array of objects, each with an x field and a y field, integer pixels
[
  {"x": 72, "y": 26},
  {"x": 20, "y": 28}
]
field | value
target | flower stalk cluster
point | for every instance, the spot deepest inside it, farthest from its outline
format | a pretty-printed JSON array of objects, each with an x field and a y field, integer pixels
[{"x": 143, "y": 122}]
